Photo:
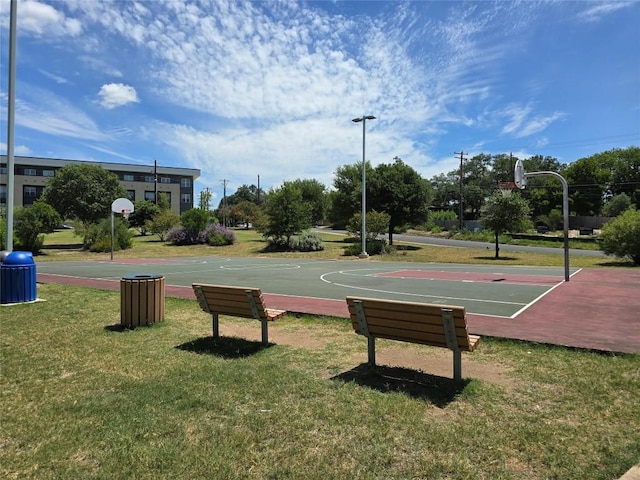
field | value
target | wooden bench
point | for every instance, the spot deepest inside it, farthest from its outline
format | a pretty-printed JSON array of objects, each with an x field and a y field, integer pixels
[
  {"x": 426, "y": 324},
  {"x": 236, "y": 302}
]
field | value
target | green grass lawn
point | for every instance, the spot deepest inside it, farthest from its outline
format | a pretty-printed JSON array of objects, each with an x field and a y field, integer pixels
[
  {"x": 63, "y": 245},
  {"x": 82, "y": 398}
]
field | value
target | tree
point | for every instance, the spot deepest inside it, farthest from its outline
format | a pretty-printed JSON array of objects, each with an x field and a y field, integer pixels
[
  {"x": 505, "y": 214},
  {"x": 205, "y": 200},
  {"x": 83, "y": 192},
  {"x": 162, "y": 223},
  {"x": 398, "y": 190},
  {"x": 616, "y": 205},
  {"x": 246, "y": 212},
  {"x": 30, "y": 223},
  {"x": 143, "y": 212},
  {"x": 589, "y": 180},
  {"x": 626, "y": 173},
  {"x": 287, "y": 214},
  {"x": 314, "y": 193},
  {"x": 346, "y": 200},
  {"x": 621, "y": 237}
]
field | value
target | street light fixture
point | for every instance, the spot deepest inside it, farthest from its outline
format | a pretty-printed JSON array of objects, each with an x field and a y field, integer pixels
[{"x": 363, "y": 231}]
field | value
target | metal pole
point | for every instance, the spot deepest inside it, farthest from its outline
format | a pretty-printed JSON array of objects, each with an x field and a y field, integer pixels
[
  {"x": 11, "y": 122},
  {"x": 363, "y": 232},
  {"x": 565, "y": 214},
  {"x": 364, "y": 253}
]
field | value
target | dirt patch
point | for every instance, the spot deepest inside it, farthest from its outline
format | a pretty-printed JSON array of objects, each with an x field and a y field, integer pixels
[{"x": 435, "y": 361}]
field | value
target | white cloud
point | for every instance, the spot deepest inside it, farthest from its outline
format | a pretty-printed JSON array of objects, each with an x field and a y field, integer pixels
[
  {"x": 17, "y": 149},
  {"x": 42, "y": 19},
  {"x": 114, "y": 95},
  {"x": 597, "y": 10},
  {"x": 522, "y": 124}
]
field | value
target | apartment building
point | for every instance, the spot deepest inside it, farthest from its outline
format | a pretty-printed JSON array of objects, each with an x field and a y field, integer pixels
[{"x": 142, "y": 182}]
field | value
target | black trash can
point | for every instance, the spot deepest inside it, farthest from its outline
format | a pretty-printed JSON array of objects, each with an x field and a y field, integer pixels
[{"x": 17, "y": 278}]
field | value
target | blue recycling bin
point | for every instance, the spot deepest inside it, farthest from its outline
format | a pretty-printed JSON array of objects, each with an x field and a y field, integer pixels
[{"x": 18, "y": 278}]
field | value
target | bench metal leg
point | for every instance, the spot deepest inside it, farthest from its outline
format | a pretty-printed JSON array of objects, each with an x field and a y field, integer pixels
[
  {"x": 371, "y": 348},
  {"x": 214, "y": 324},
  {"x": 265, "y": 332},
  {"x": 457, "y": 365}
]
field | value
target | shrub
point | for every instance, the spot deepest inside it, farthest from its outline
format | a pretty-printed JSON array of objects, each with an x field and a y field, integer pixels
[
  {"x": 162, "y": 223},
  {"x": 306, "y": 242},
  {"x": 97, "y": 237},
  {"x": 31, "y": 223},
  {"x": 621, "y": 237},
  {"x": 218, "y": 236},
  {"x": 195, "y": 221},
  {"x": 374, "y": 247},
  {"x": 180, "y": 236}
]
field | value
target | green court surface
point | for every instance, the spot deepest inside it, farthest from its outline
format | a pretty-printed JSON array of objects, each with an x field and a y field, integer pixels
[{"x": 501, "y": 291}]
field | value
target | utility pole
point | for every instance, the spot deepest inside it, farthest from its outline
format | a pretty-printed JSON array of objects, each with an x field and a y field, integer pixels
[
  {"x": 155, "y": 180},
  {"x": 461, "y": 219},
  {"x": 224, "y": 203}
]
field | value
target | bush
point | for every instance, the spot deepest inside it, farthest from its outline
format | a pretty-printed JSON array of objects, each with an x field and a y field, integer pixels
[
  {"x": 180, "y": 236},
  {"x": 218, "y": 236},
  {"x": 31, "y": 223},
  {"x": 306, "y": 242},
  {"x": 195, "y": 221},
  {"x": 162, "y": 223},
  {"x": 374, "y": 247},
  {"x": 621, "y": 237},
  {"x": 97, "y": 237}
]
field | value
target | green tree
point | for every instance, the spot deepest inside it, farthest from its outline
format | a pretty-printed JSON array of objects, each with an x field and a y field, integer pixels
[
  {"x": 247, "y": 213},
  {"x": 83, "y": 192},
  {"x": 162, "y": 223},
  {"x": 398, "y": 190},
  {"x": 314, "y": 193},
  {"x": 205, "y": 200},
  {"x": 195, "y": 221},
  {"x": 621, "y": 237},
  {"x": 287, "y": 214},
  {"x": 31, "y": 223},
  {"x": 505, "y": 214},
  {"x": 626, "y": 173},
  {"x": 346, "y": 199},
  {"x": 589, "y": 180},
  {"x": 616, "y": 205},
  {"x": 377, "y": 225},
  {"x": 143, "y": 212}
]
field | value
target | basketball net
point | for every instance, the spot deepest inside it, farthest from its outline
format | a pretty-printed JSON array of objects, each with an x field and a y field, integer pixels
[{"x": 506, "y": 188}]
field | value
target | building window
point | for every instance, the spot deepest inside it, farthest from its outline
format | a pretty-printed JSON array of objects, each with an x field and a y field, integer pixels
[
  {"x": 3, "y": 170},
  {"x": 127, "y": 177},
  {"x": 165, "y": 180},
  {"x": 48, "y": 173},
  {"x": 185, "y": 183},
  {"x": 185, "y": 197},
  {"x": 150, "y": 196},
  {"x": 131, "y": 194},
  {"x": 3, "y": 194},
  {"x": 29, "y": 171},
  {"x": 30, "y": 191},
  {"x": 149, "y": 178}
]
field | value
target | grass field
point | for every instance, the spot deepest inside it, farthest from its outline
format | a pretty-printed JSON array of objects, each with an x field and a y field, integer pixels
[
  {"x": 63, "y": 245},
  {"x": 82, "y": 398}
]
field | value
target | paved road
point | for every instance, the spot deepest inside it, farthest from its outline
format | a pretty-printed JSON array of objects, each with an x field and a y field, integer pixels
[{"x": 483, "y": 245}]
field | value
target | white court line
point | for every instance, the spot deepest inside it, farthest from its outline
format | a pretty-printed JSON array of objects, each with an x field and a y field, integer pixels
[
  {"x": 532, "y": 302},
  {"x": 421, "y": 295}
]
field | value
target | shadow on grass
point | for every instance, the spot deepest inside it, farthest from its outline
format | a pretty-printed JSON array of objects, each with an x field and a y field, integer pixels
[
  {"x": 406, "y": 248},
  {"x": 493, "y": 257},
  {"x": 439, "y": 391},
  {"x": 224, "y": 347}
]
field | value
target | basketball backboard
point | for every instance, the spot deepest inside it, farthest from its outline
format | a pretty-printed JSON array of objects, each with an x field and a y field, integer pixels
[{"x": 121, "y": 205}]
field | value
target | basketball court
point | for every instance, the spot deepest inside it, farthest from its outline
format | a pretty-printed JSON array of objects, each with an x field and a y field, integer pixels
[{"x": 597, "y": 309}]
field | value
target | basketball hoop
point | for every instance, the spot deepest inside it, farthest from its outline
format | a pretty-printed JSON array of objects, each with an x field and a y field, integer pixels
[
  {"x": 125, "y": 213},
  {"x": 506, "y": 188}
]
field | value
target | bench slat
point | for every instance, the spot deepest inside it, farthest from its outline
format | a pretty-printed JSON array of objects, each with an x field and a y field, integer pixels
[
  {"x": 426, "y": 324},
  {"x": 245, "y": 302}
]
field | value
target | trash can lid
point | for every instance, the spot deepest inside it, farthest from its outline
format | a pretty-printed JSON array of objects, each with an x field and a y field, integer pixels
[
  {"x": 140, "y": 276},
  {"x": 19, "y": 258}
]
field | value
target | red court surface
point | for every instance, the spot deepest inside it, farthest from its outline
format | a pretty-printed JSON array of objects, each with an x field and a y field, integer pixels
[{"x": 597, "y": 309}]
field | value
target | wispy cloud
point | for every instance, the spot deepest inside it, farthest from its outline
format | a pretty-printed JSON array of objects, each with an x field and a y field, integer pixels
[
  {"x": 42, "y": 19},
  {"x": 595, "y": 11}
]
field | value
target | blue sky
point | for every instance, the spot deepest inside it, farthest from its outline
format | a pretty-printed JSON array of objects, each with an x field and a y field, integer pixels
[{"x": 247, "y": 89}]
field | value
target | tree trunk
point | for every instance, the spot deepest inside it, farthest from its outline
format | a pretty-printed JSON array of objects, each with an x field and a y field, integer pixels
[
  {"x": 497, "y": 247},
  {"x": 390, "y": 233}
]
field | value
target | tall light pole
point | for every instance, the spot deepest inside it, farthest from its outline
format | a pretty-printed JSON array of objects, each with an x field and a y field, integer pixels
[{"x": 363, "y": 231}]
